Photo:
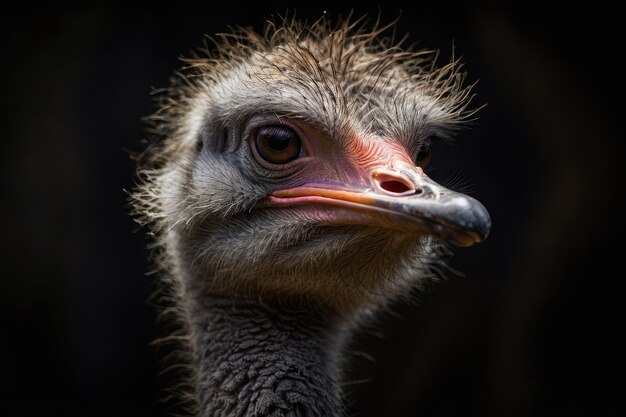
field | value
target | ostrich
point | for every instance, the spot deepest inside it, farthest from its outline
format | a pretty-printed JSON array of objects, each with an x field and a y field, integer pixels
[{"x": 288, "y": 203}]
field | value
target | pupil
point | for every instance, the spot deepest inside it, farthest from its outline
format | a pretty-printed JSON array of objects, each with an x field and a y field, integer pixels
[{"x": 278, "y": 140}]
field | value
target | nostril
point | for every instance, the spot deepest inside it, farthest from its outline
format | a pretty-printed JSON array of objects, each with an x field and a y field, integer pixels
[
  {"x": 393, "y": 183},
  {"x": 419, "y": 191},
  {"x": 396, "y": 187}
]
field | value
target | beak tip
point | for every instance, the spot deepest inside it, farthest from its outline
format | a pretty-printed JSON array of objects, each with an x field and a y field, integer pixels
[{"x": 474, "y": 220}]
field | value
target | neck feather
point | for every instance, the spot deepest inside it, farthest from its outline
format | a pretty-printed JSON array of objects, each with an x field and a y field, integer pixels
[{"x": 256, "y": 360}]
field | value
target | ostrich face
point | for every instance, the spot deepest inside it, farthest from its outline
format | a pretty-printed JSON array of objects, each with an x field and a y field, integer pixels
[{"x": 295, "y": 166}]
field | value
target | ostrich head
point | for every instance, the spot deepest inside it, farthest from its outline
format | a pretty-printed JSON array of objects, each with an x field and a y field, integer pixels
[{"x": 291, "y": 170}]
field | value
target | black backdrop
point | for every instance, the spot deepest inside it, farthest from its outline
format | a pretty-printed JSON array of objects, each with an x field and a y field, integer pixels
[{"x": 532, "y": 328}]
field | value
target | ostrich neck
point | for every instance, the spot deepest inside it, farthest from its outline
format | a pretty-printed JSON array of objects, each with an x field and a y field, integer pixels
[{"x": 254, "y": 360}]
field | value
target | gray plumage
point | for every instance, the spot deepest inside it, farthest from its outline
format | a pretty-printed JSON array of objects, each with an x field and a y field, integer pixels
[{"x": 264, "y": 297}]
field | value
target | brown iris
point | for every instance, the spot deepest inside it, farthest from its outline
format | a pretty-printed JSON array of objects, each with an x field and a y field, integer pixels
[{"x": 277, "y": 144}]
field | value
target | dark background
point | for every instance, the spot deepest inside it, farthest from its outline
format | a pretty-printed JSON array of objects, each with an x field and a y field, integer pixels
[{"x": 533, "y": 327}]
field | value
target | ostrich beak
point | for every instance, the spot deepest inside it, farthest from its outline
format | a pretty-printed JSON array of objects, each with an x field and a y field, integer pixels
[{"x": 407, "y": 201}]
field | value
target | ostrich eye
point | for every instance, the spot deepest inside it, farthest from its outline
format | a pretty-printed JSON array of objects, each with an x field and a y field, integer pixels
[
  {"x": 277, "y": 144},
  {"x": 425, "y": 152}
]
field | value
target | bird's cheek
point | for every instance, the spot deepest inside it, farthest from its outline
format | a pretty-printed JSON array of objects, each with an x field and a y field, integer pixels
[{"x": 317, "y": 170}]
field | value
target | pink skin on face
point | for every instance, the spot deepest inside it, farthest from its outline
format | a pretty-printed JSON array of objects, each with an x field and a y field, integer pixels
[{"x": 366, "y": 169}]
